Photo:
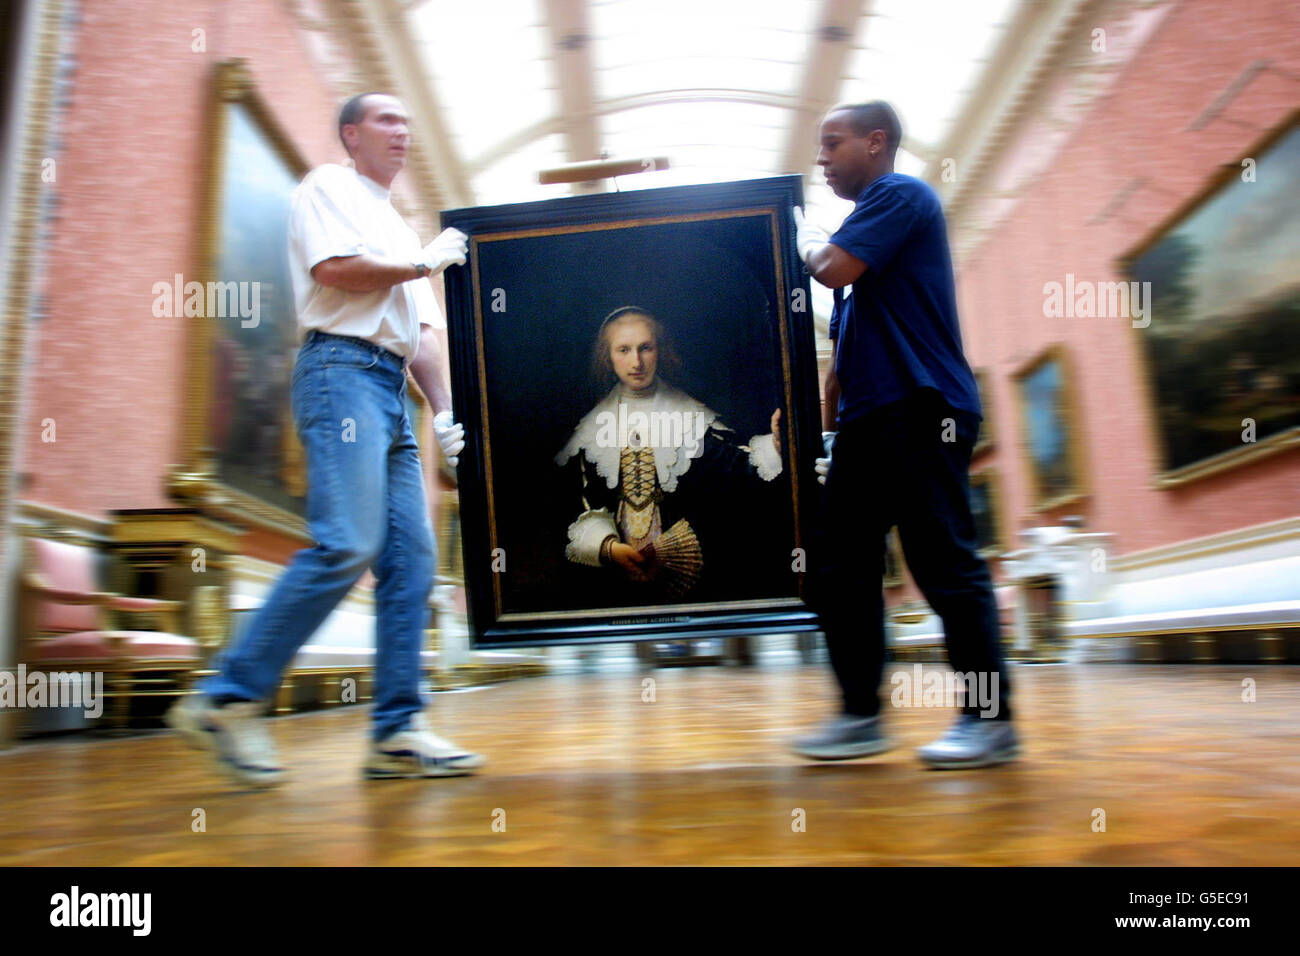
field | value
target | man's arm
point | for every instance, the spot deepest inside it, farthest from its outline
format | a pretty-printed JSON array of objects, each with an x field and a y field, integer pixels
[
  {"x": 833, "y": 267},
  {"x": 831, "y": 393},
  {"x": 826, "y": 262},
  {"x": 431, "y": 370},
  {"x": 366, "y": 273},
  {"x": 363, "y": 273}
]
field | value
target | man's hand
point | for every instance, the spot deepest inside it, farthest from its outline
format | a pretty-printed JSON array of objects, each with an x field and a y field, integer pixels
[
  {"x": 823, "y": 465},
  {"x": 807, "y": 237},
  {"x": 776, "y": 430},
  {"x": 448, "y": 249},
  {"x": 450, "y": 435}
]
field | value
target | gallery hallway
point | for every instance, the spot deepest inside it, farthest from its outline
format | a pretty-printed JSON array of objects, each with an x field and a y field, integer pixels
[{"x": 585, "y": 771}]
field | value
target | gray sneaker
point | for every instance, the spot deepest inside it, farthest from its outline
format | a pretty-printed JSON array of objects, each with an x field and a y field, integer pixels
[
  {"x": 235, "y": 734},
  {"x": 843, "y": 738},
  {"x": 972, "y": 742}
]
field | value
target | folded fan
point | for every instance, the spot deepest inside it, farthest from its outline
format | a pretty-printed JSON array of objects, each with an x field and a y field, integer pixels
[{"x": 676, "y": 558}]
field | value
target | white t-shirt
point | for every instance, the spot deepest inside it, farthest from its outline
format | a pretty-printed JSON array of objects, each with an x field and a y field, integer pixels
[{"x": 335, "y": 211}]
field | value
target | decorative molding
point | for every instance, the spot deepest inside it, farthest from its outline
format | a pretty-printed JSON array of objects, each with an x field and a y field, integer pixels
[
  {"x": 1238, "y": 539},
  {"x": 37, "y": 54},
  {"x": 1227, "y": 461},
  {"x": 1035, "y": 60},
  {"x": 34, "y": 514}
]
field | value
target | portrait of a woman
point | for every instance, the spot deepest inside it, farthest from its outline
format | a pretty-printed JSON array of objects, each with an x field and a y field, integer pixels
[{"x": 671, "y": 504}]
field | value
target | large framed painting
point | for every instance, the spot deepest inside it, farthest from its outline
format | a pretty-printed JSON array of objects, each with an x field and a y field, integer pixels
[
  {"x": 637, "y": 377},
  {"x": 242, "y": 454},
  {"x": 1222, "y": 346}
]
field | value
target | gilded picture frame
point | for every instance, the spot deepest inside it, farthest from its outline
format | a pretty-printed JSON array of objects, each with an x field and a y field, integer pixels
[
  {"x": 986, "y": 510},
  {"x": 1219, "y": 352},
  {"x": 240, "y": 457},
  {"x": 1050, "y": 429}
]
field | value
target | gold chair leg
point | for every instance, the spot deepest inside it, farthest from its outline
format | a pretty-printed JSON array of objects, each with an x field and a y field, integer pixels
[
  {"x": 118, "y": 705},
  {"x": 284, "y": 700}
]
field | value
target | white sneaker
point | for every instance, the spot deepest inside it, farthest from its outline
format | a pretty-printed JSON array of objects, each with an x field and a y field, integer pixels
[
  {"x": 234, "y": 734},
  {"x": 419, "y": 752},
  {"x": 972, "y": 742}
]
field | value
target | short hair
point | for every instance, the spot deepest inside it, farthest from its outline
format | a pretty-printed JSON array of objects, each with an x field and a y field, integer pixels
[
  {"x": 602, "y": 366},
  {"x": 866, "y": 118},
  {"x": 353, "y": 112}
]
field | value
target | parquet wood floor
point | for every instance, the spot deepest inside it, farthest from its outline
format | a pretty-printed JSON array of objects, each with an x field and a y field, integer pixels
[{"x": 587, "y": 772}]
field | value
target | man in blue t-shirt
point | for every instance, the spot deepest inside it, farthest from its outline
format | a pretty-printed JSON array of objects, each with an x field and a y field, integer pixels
[{"x": 902, "y": 415}]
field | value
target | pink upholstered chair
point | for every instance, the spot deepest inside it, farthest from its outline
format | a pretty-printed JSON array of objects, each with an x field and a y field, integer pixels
[{"x": 66, "y": 625}]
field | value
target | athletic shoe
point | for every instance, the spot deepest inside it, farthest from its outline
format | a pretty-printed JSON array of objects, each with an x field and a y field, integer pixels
[
  {"x": 234, "y": 734},
  {"x": 972, "y": 742},
  {"x": 419, "y": 752},
  {"x": 844, "y": 738}
]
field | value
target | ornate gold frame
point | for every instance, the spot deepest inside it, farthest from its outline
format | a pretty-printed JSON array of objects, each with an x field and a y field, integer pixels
[
  {"x": 1069, "y": 409},
  {"x": 1236, "y": 457},
  {"x": 195, "y": 480}
]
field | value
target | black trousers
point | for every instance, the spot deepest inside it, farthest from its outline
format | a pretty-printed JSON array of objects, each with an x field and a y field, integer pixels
[{"x": 904, "y": 464}]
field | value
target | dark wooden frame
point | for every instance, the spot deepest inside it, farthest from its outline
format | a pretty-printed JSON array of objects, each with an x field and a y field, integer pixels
[{"x": 768, "y": 199}]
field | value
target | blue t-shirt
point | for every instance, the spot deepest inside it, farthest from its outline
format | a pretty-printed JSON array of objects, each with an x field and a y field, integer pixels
[{"x": 898, "y": 331}]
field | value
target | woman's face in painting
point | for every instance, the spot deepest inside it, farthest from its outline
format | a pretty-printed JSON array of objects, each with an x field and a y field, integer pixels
[{"x": 633, "y": 352}]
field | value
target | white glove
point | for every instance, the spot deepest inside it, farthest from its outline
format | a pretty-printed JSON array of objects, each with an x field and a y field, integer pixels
[
  {"x": 823, "y": 465},
  {"x": 807, "y": 236},
  {"x": 448, "y": 249},
  {"x": 450, "y": 435}
]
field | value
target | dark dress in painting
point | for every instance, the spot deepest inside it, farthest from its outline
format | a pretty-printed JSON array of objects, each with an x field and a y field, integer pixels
[{"x": 657, "y": 470}]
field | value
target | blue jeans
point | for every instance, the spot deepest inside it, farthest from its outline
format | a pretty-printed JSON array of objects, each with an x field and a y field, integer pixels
[{"x": 366, "y": 507}]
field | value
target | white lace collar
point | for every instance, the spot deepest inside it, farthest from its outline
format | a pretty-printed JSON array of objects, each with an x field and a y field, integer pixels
[{"x": 676, "y": 422}]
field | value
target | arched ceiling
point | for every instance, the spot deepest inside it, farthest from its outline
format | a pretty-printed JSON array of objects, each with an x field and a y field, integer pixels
[{"x": 726, "y": 89}]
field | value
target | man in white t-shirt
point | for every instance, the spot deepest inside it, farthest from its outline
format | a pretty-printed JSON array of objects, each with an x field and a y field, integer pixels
[{"x": 367, "y": 316}]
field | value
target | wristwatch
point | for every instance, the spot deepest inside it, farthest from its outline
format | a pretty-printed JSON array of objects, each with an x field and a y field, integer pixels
[{"x": 421, "y": 269}]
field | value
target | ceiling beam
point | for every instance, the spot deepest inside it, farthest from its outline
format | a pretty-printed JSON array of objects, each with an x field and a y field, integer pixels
[
  {"x": 570, "y": 40},
  {"x": 555, "y": 124},
  {"x": 825, "y": 63}
]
